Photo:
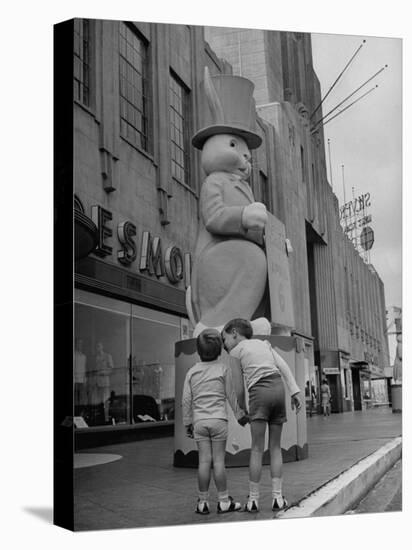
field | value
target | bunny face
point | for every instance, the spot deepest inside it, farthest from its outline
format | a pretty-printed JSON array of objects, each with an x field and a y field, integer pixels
[{"x": 226, "y": 153}]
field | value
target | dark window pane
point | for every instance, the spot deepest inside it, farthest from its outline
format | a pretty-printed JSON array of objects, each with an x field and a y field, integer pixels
[
  {"x": 101, "y": 364},
  {"x": 81, "y": 60},
  {"x": 133, "y": 59},
  {"x": 179, "y": 129}
]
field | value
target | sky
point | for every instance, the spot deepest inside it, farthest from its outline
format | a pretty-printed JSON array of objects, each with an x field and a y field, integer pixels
[{"x": 367, "y": 138}]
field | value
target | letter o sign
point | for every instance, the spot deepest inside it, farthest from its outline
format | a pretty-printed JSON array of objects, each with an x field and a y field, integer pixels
[{"x": 174, "y": 264}]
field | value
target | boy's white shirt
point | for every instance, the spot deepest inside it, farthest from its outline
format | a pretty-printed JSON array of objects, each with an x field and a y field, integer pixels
[
  {"x": 256, "y": 363},
  {"x": 285, "y": 371},
  {"x": 217, "y": 378}
]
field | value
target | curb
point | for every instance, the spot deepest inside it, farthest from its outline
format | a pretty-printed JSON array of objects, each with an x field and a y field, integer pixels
[{"x": 345, "y": 490}]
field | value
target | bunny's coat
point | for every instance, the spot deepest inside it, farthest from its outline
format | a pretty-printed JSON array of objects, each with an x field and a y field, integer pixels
[{"x": 230, "y": 269}]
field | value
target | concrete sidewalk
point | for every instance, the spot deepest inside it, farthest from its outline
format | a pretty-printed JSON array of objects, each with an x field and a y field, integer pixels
[{"x": 144, "y": 489}]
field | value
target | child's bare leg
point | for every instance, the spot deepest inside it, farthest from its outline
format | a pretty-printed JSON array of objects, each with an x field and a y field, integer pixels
[
  {"x": 226, "y": 503},
  {"x": 219, "y": 470},
  {"x": 276, "y": 463},
  {"x": 275, "y": 450},
  {"x": 257, "y": 431},
  {"x": 205, "y": 464}
]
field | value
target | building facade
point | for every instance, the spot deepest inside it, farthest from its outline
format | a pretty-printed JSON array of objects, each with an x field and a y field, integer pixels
[
  {"x": 137, "y": 102},
  {"x": 338, "y": 299},
  {"x": 137, "y": 177}
]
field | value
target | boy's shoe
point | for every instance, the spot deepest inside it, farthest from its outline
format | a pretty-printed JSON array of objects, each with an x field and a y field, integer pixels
[
  {"x": 231, "y": 506},
  {"x": 279, "y": 503},
  {"x": 202, "y": 507},
  {"x": 252, "y": 506}
]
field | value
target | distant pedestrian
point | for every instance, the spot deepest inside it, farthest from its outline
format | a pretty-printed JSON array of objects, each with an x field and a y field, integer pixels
[
  {"x": 263, "y": 369},
  {"x": 397, "y": 366},
  {"x": 326, "y": 397},
  {"x": 312, "y": 401},
  {"x": 207, "y": 386}
]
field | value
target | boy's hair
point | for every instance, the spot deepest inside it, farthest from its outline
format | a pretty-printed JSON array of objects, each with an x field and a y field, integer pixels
[
  {"x": 242, "y": 326},
  {"x": 209, "y": 344}
]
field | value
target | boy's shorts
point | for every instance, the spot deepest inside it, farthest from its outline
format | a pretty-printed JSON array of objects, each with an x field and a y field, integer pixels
[
  {"x": 267, "y": 400},
  {"x": 214, "y": 429}
]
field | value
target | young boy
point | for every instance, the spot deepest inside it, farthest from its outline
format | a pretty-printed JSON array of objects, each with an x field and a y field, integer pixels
[
  {"x": 262, "y": 368},
  {"x": 207, "y": 386}
]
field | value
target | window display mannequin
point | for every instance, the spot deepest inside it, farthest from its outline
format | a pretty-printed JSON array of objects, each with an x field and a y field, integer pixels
[
  {"x": 104, "y": 366},
  {"x": 80, "y": 394}
]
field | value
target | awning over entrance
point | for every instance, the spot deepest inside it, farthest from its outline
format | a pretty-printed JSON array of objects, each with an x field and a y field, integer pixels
[{"x": 363, "y": 365}]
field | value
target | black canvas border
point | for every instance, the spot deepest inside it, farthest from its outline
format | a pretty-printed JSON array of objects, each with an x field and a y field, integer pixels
[{"x": 63, "y": 265}]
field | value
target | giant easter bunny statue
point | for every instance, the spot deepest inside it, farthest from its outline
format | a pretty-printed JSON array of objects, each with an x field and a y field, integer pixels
[{"x": 230, "y": 269}]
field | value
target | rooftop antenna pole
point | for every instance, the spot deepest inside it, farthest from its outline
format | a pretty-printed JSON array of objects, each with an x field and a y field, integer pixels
[
  {"x": 368, "y": 252},
  {"x": 349, "y": 96},
  {"x": 343, "y": 110},
  {"x": 344, "y": 193},
  {"x": 356, "y": 219},
  {"x": 330, "y": 165},
  {"x": 336, "y": 81}
]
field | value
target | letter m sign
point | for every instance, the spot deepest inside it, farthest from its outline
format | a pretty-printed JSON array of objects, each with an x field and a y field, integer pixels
[{"x": 151, "y": 255}]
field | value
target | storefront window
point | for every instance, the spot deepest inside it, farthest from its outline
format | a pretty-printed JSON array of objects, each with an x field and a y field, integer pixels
[
  {"x": 307, "y": 378},
  {"x": 348, "y": 384},
  {"x": 310, "y": 385},
  {"x": 315, "y": 381},
  {"x": 366, "y": 390},
  {"x": 153, "y": 339},
  {"x": 379, "y": 392},
  {"x": 102, "y": 348},
  {"x": 123, "y": 361},
  {"x": 343, "y": 383}
]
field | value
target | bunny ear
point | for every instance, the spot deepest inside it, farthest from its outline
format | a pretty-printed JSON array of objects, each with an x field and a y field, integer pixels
[{"x": 213, "y": 99}]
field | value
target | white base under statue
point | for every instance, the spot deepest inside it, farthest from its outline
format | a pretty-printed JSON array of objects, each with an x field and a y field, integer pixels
[{"x": 294, "y": 435}]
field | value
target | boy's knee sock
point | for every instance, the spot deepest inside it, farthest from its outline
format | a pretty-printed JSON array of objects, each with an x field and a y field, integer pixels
[
  {"x": 276, "y": 487},
  {"x": 203, "y": 496},
  {"x": 223, "y": 496},
  {"x": 253, "y": 490},
  {"x": 224, "y": 501}
]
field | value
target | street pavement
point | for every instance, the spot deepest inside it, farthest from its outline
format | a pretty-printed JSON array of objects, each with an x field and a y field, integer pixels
[{"x": 143, "y": 488}]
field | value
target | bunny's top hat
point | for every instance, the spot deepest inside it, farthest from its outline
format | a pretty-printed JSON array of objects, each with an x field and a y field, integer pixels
[{"x": 230, "y": 109}]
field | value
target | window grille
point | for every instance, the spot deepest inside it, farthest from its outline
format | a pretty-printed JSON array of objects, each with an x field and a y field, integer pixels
[
  {"x": 133, "y": 66},
  {"x": 81, "y": 61},
  {"x": 179, "y": 130}
]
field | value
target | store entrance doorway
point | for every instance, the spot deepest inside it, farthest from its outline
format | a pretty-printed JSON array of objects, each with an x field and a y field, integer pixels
[
  {"x": 334, "y": 392},
  {"x": 357, "y": 397}
]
